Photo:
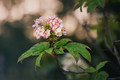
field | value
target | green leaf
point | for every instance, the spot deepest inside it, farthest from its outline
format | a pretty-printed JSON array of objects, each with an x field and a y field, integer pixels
[
  {"x": 61, "y": 43},
  {"x": 100, "y": 76},
  {"x": 92, "y": 5},
  {"x": 77, "y": 6},
  {"x": 79, "y": 0},
  {"x": 34, "y": 51},
  {"x": 49, "y": 50},
  {"x": 90, "y": 69},
  {"x": 80, "y": 5},
  {"x": 100, "y": 65},
  {"x": 59, "y": 51},
  {"x": 75, "y": 48},
  {"x": 101, "y": 2},
  {"x": 39, "y": 59},
  {"x": 88, "y": 2},
  {"x": 114, "y": 24},
  {"x": 75, "y": 54}
]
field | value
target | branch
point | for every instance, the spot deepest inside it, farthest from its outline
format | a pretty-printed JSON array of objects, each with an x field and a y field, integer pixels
[
  {"x": 98, "y": 47},
  {"x": 117, "y": 41},
  {"x": 81, "y": 68},
  {"x": 75, "y": 72},
  {"x": 115, "y": 52},
  {"x": 116, "y": 78}
]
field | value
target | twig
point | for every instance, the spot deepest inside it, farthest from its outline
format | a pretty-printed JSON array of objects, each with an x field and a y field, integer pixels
[
  {"x": 81, "y": 68},
  {"x": 116, "y": 41}
]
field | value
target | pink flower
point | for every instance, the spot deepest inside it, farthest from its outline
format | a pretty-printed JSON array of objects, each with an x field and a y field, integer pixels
[
  {"x": 51, "y": 25},
  {"x": 64, "y": 31},
  {"x": 36, "y": 34},
  {"x": 58, "y": 32},
  {"x": 33, "y": 25},
  {"x": 39, "y": 32},
  {"x": 39, "y": 20},
  {"x": 61, "y": 25},
  {"x": 55, "y": 25},
  {"x": 46, "y": 33},
  {"x": 52, "y": 17}
]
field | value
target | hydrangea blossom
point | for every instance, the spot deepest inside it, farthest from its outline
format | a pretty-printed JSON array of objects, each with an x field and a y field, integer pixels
[{"x": 53, "y": 24}]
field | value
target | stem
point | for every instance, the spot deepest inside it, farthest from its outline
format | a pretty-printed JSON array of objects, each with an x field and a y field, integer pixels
[
  {"x": 55, "y": 56},
  {"x": 57, "y": 60}
]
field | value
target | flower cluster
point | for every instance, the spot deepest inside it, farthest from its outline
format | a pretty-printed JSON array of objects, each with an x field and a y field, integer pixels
[{"x": 52, "y": 24}]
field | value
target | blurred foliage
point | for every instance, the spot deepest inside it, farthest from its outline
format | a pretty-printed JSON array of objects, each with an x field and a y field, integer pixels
[{"x": 103, "y": 34}]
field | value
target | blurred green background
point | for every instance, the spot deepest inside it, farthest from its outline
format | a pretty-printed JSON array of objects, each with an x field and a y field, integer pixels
[{"x": 16, "y": 37}]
